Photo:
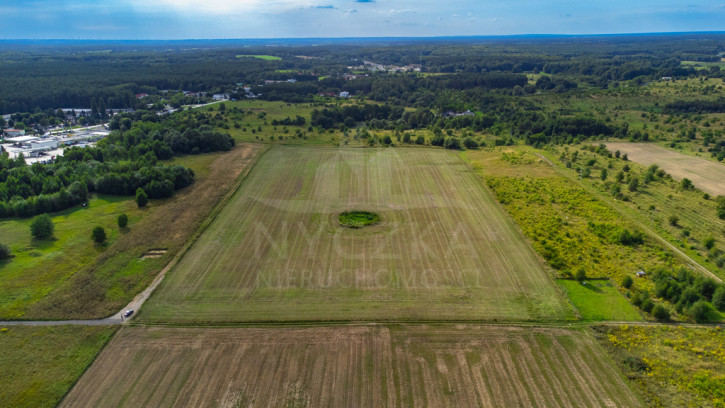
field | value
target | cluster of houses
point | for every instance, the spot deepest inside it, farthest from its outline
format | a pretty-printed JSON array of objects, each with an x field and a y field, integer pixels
[
  {"x": 451, "y": 114},
  {"x": 343, "y": 94},
  {"x": 374, "y": 66}
]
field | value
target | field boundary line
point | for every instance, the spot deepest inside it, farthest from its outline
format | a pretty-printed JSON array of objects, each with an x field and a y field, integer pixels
[
  {"x": 110, "y": 338},
  {"x": 631, "y": 218},
  {"x": 207, "y": 221}
]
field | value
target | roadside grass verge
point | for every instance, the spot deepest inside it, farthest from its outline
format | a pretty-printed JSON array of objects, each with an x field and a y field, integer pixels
[
  {"x": 40, "y": 364},
  {"x": 599, "y": 300}
]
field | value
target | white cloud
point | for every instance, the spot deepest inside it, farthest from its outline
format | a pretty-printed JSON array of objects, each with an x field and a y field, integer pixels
[{"x": 224, "y": 7}]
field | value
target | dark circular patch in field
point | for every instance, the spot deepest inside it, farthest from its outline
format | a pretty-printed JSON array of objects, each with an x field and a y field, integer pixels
[{"x": 358, "y": 219}]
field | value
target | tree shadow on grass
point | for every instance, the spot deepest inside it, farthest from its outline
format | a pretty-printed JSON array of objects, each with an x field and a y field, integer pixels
[
  {"x": 43, "y": 243},
  {"x": 590, "y": 286}
]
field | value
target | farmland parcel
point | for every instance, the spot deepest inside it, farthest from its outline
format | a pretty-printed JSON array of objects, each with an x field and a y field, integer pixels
[
  {"x": 355, "y": 366},
  {"x": 706, "y": 175},
  {"x": 443, "y": 248}
]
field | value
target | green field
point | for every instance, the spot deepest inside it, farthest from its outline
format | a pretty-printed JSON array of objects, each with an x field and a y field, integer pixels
[
  {"x": 703, "y": 65},
  {"x": 599, "y": 300},
  {"x": 443, "y": 249},
  {"x": 40, "y": 364},
  {"x": 41, "y": 266},
  {"x": 262, "y": 57}
]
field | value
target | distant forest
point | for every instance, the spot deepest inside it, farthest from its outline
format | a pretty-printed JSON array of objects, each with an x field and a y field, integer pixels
[{"x": 40, "y": 76}]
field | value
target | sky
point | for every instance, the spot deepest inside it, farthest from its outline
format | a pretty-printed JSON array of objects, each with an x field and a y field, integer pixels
[{"x": 228, "y": 19}]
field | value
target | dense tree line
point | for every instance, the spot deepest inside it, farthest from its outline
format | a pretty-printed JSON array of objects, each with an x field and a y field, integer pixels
[
  {"x": 698, "y": 106},
  {"x": 691, "y": 294},
  {"x": 120, "y": 164}
]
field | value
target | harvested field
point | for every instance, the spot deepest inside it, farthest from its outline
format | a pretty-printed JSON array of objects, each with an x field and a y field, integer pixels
[
  {"x": 469, "y": 366},
  {"x": 319, "y": 367},
  {"x": 356, "y": 366},
  {"x": 705, "y": 175},
  {"x": 443, "y": 248}
]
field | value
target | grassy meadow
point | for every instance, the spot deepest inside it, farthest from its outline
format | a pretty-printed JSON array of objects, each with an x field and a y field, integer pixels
[
  {"x": 40, "y": 364},
  {"x": 654, "y": 202},
  {"x": 672, "y": 366},
  {"x": 443, "y": 248},
  {"x": 599, "y": 300},
  {"x": 39, "y": 267}
]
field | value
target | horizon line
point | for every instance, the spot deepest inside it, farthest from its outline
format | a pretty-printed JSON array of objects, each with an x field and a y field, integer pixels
[{"x": 653, "y": 33}]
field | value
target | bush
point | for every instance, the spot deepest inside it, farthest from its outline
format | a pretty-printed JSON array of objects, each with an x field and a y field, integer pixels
[
  {"x": 718, "y": 298},
  {"x": 420, "y": 140},
  {"x": 700, "y": 311},
  {"x": 42, "y": 227},
  {"x": 633, "y": 184},
  {"x": 141, "y": 197},
  {"x": 5, "y": 252},
  {"x": 673, "y": 220},
  {"x": 122, "y": 220},
  {"x": 580, "y": 275},
  {"x": 453, "y": 143},
  {"x": 647, "y": 305},
  {"x": 630, "y": 238},
  {"x": 98, "y": 235},
  {"x": 721, "y": 207},
  {"x": 627, "y": 282},
  {"x": 438, "y": 140},
  {"x": 661, "y": 313},
  {"x": 470, "y": 143},
  {"x": 709, "y": 242}
]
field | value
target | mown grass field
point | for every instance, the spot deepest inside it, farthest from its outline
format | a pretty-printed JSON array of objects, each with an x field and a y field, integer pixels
[
  {"x": 262, "y": 57},
  {"x": 671, "y": 366},
  {"x": 443, "y": 248},
  {"x": 354, "y": 366},
  {"x": 71, "y": 277},
  {"x": 38, "y": 365},
  {"x": 599, "y": 300},
  {"x": 706, "y": 175}
]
